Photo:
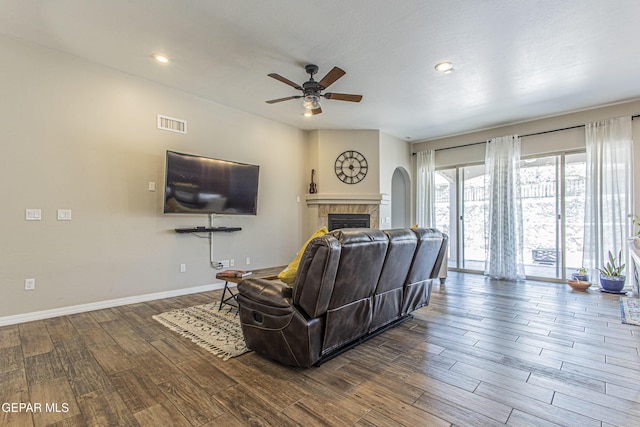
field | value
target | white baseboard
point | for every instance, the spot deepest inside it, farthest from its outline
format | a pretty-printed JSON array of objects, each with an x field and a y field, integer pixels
[{"x": 82, "y": 308}]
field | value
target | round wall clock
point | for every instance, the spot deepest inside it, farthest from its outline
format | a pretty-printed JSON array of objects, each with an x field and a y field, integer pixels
[{"x": 351, "y": 167}]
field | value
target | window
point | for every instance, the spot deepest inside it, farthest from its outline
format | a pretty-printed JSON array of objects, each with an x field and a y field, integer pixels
[{"x": 553, "y": 194}]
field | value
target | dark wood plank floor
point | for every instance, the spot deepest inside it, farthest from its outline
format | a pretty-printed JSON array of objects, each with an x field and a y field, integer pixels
[{"x": 482, "y": 354}]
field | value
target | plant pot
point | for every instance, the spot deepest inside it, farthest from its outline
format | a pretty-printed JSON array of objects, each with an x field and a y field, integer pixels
[
  {"x": 580, "y": 277},
  {"x": 612, "y": 283},
  {"x": 578, "y": 285}
]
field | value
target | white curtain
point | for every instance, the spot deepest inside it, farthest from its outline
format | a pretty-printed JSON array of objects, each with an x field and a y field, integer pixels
[
  {"x": 609, "y": 190},
  {"x": 426, "y": 189},
  {"x": 504, "y": 222}
]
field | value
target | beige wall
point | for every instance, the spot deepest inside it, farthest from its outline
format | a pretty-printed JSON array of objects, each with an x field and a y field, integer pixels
[
  {"x": 330, "y": 144},
  {"x": 321, "y": 150},
  {"x": 83, "y": 137},
  {"x": 384, "y": 153},
  {"x": 394, "y": 153},
  {"x": 546, "y": 143}
]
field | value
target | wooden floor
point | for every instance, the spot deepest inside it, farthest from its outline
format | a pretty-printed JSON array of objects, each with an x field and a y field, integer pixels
[{"x": 482, "y": 354}]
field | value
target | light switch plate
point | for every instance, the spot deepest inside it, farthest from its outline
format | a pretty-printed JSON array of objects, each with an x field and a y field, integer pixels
[
  {"x": 64, "y": 214},
  {"x": 33, "y": 215}
]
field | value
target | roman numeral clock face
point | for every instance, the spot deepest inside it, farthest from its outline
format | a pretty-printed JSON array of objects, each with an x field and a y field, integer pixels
[{"x": 351, "y": 167}]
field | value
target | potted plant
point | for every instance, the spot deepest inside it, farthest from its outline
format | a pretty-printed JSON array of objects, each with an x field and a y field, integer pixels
[
  {"x": 581, "y": 274},
  {"x": 611, "y": 277}
]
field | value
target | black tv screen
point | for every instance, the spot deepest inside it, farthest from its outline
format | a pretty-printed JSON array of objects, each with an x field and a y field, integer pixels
[{"x": 202, "y": 185}]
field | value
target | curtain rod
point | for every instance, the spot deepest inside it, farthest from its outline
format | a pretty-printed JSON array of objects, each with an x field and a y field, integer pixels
[{"x": 521, "y": 136}]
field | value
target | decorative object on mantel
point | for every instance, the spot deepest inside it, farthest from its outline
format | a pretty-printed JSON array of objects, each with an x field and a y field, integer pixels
[
  {"x": 313, "y": 188},
  {"x": 351, "y": 167},
  {"x": 611, "y": 278},
  {"x": 218, "y": 332},
  {"x": 630, "y": 310},
  {"x": 579, "y": 285}
]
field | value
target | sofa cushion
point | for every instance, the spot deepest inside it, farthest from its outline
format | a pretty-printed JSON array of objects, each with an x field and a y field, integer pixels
[
  {"x": 318, "y": 267},
  {"x": 288, "y": 275}
]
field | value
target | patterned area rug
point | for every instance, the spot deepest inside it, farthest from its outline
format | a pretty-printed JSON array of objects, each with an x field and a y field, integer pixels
[
  {"x": 218, "y": 332},
  {"x": 630, "y": 310}
]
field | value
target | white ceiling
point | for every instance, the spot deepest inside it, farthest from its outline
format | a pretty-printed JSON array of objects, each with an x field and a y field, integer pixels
[{"x": 515, "y": 60}]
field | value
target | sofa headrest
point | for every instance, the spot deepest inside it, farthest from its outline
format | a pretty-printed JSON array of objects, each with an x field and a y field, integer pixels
[
  {"x": 350, "y": 236},
  {"x": 316, "y": 275},
  {"x": 429, "y": 254}
]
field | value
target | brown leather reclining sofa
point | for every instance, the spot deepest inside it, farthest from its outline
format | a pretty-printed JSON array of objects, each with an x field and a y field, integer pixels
[{"x": 351, "y": 285}]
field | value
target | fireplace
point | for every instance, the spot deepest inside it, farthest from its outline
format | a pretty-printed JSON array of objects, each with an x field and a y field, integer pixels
[
  {"x": 347, "y": 220},
  {"x": 345, "y": 204}
]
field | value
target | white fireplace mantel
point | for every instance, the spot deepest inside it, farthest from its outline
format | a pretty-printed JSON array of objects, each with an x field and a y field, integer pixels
[{"x": 347, "y": 199}]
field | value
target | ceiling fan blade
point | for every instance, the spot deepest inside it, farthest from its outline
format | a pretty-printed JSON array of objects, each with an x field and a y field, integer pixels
[
  {"x": 331, "y": 77},
  {"x": 273, "y": 101},
  {"x": 285, "y": 80},
  {"x": 316, "y": 111},
  {"x": 343, "y": 97}
]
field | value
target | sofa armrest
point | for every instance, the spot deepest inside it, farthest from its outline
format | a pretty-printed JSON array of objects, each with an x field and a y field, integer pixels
[{"x": 267, "y": 292}]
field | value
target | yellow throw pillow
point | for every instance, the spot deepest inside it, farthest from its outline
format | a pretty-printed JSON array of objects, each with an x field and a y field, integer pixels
[
  {"x": 288, "y": 275},
  {"x": 414, "y": 226}
]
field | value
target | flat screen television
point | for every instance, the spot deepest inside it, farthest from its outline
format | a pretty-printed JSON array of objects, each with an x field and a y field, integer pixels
[{"x": 203, "y": 185}]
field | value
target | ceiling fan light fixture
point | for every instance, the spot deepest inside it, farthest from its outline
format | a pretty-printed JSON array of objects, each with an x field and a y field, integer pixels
[
  {"x": 312, "y": 90},
  {"x": 311, "y": 102},
  {"x": 445, "y": 67}
]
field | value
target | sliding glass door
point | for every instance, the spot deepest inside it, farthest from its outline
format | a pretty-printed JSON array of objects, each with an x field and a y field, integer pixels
[
  {"x": 461, "y": 213},
  {"x": 473, "y": 218},
  {"x": 553, "y": 193},
  {"x": 446, "y": 211},
  {"x": 574, "y": 197},
  {"x": 541, "y": 216}
]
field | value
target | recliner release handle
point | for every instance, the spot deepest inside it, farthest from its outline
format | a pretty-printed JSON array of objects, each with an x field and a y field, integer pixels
[{"x": 257, "y": 317}]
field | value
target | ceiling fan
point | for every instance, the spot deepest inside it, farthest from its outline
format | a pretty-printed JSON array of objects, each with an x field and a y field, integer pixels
[{"x": 311, "y": 89}]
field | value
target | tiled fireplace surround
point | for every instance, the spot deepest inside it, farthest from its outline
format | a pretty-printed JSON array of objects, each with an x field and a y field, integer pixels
[
  {"x": 347, "y": 204},
  {"x": 325, "y": 209}
]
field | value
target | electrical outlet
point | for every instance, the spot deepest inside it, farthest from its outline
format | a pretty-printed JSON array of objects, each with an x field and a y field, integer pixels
[
  {"x": 183, "y": 268},
  {"x": 64, "y": 214},
  {"x": 33, "y": 215},
  {"x": 232, "y": 262},
  {"x": 248, "y": 261},
  {"x": 224, "y": 263},
  {"x": 29, "y": 284}
]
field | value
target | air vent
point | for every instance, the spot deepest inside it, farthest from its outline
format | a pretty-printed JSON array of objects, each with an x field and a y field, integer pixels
[{"x": 171, "y": 124}]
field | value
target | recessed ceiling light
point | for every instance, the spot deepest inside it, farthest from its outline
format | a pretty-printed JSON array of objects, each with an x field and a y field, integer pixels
[
  {"x": 161, "y": 58},
  {"x": 445, "y": 67}
]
